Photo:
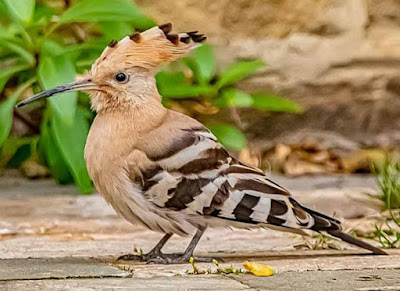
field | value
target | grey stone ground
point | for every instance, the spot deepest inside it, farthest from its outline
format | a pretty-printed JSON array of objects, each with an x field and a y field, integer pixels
[{"x": 53, "y": 239}]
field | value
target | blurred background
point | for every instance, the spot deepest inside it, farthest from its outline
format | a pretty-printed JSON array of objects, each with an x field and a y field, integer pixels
[{"x": 295, "y": 87}]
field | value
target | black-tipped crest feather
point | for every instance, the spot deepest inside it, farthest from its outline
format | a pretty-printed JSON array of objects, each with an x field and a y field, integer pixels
[
  {"x": 174, "y": 38},
  {"x": 113, "y": 43},
  {"x": 166, "y": 28},
  {"x": 135, "y": 37},
  {"x": 185, "y": 39}
]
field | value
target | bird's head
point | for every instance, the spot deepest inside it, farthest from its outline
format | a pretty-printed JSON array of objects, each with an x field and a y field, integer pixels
[{"x": 123, "y": 75}]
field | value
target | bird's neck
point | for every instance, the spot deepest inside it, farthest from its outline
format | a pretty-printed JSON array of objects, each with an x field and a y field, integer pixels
[
  {"x": 114, "y": 133},
  {"x": 134, "y": 117}
]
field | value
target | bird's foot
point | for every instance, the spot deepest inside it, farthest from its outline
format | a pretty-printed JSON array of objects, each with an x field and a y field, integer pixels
[
  {"x": 166, "y": 259},
  {"x": 140, "y": 257},
  {"x": 132, "y": 257}
]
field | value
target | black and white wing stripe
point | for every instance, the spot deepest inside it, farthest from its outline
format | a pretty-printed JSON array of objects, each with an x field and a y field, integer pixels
[{"x": 196, "y": 175}]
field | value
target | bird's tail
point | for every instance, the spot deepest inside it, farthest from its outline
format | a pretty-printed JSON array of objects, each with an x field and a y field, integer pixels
[
  {"x": 332, "y": 226},
  {"x": 354, "y": 241}
]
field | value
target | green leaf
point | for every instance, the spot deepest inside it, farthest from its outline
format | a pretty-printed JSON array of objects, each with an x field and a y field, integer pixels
[
  {"x": 54, "y": 71},
  {"x": 21, "y": 51},
  {"x": 6, "y": 117},
  {"x": 68, "y": 126},
  {"x": 21, "y": 9},
  {"x": 50, "y": 154},
  {"x": 7, "y": 73},
  {"x": 239, "y": 71},
  {"x": 70, "y": 140},
  {"x": 90, "y": 50},
  {"x": 229, "y": 135},
  {"x": 20, "y": 155},
  {"x": 3, "y": 11},
  {"x": 6, "y": 112},
  {"x": 174, "y": 85},
  {"x": 106, "y": 10},
  {"x": 43, "y": 14},
  {"x": 115, "y": 29},
  {"x": 275, "y": 103},
  {"x": 166, "y": 79},
  {"x": 11, "y": 146},
  {"x": 204, "y": 63},
  {"x": 234, "y": 98},
  {"x": 5, "y": 33},
  {"x": 52, "y": 48}
]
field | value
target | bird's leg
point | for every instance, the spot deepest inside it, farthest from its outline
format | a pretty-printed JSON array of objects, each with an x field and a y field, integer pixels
[
  {"x": 182, "y": 258},
  {"x": 154, "y": 253}
]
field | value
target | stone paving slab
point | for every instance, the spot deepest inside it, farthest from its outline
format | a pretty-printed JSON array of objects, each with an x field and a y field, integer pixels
[
  {"x": 370, "y": 280},
  {"x": 281, "y": 262},
  {"x": 209, "y": 282},
  {"x": 59, "y": 268}
]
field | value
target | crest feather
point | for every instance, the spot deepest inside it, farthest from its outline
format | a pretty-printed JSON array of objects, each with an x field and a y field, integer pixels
[{"x": 150, "y": 48}]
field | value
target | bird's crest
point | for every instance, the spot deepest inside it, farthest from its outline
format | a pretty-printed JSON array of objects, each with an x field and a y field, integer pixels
[{"x": 149, "y": 49}]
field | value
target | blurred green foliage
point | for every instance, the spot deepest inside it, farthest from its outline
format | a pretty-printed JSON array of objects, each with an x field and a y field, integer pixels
[
  {"x": 388, "y": 179},
  {"x": 47, "y": 43},
  {"x": 388, "y": 232}
]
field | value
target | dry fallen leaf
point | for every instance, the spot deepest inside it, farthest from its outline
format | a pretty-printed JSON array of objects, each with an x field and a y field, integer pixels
[
  {"x": 260, "y": 270},
  {"x": 249, "y": 158},
  {"x": 33, "y": 170},
  {"x": 362, "y": 160},
  {"x": 301, "y": 159}
]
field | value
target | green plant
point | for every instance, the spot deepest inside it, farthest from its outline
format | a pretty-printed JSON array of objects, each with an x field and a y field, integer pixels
[
  {"x": 219, "y": 270},
  {"x": 318, "y": 241},
  {"x": 47, "y": 43},
  {"x": 388, "y": 232},
  {"x": 126, "y": 268},
  {"x": 209, "y": 92},
  {"x": 388, "y": 179}
]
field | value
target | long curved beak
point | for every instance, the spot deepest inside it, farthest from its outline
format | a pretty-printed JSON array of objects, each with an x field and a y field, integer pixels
[{"x": 82, "y": 85}]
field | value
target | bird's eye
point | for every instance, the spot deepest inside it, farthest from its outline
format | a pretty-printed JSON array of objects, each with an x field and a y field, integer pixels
[{"x": 121, "y": 77}]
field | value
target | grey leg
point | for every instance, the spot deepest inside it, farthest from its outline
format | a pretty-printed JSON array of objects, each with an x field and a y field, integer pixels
[
  {"x": 183, "y": 258},
  {"x": 157, "y": 249},
  {"x": 154, "y": 253}
]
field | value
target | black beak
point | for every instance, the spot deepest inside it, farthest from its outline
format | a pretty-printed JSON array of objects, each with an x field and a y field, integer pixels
[{"x": 82, "y": 85}]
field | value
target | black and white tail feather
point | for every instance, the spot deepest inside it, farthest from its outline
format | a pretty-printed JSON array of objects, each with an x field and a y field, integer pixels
[{"x": 198, "y": 177}]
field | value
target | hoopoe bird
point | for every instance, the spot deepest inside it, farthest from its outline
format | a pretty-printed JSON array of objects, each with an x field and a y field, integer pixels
[{"x": 167, "y": 171}]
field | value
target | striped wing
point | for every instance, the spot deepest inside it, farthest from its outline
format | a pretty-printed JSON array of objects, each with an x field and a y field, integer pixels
[{"x": 196, "y": 175}]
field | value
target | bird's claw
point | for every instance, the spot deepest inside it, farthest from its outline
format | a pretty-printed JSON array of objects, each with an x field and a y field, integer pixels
[
  {"x": 166, "y": 259},
  {"x": 141, "y": 257},
  {"x": 132, "y": 257}
]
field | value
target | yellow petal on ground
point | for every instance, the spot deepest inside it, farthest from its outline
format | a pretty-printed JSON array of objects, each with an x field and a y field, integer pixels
[{"x": 258, "y": 269}]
